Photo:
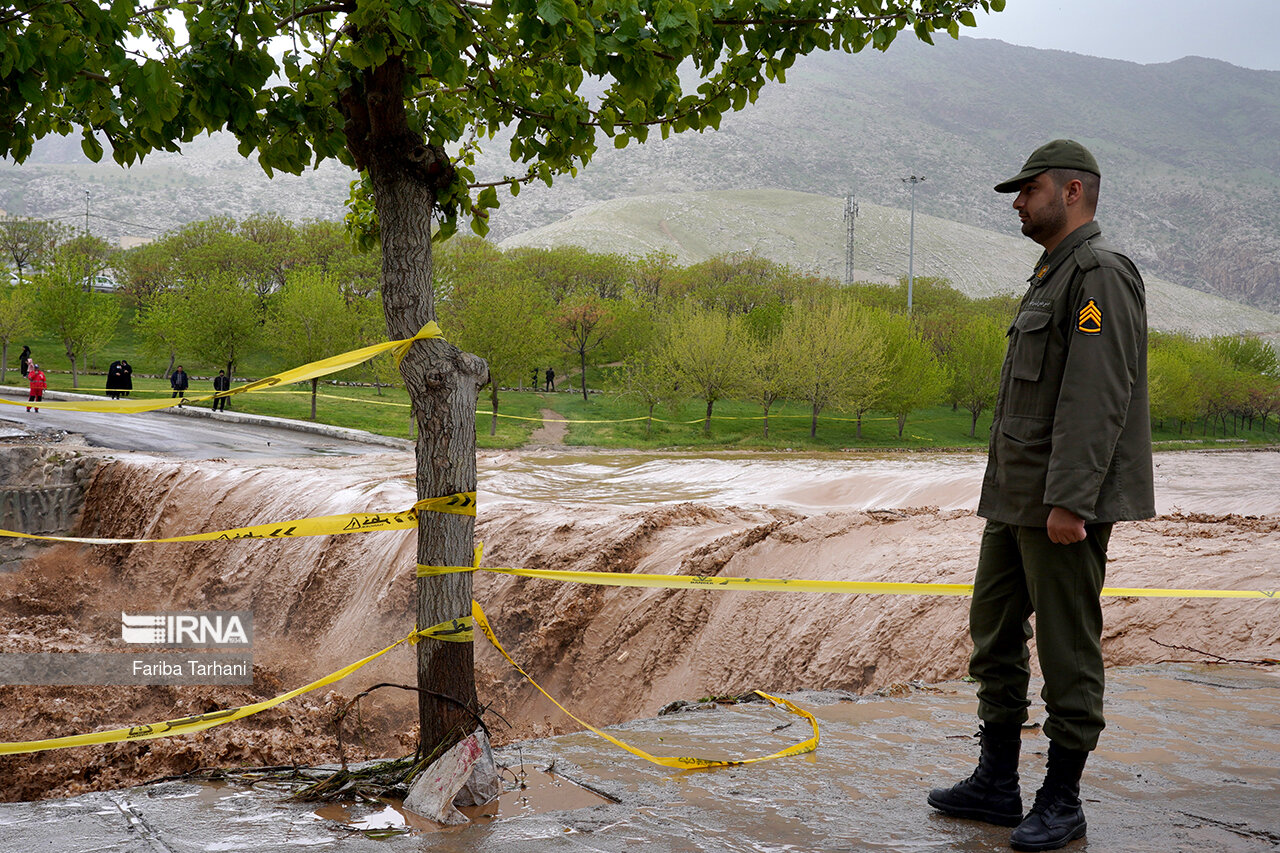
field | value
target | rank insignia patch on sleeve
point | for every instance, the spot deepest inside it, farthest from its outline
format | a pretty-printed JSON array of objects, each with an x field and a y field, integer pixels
[{"x": 1090, "y": 320}]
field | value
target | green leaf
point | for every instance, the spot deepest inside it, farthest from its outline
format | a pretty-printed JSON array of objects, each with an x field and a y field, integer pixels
[
  {"x": 92, "y": 148},
  {"x": 549, "y": 11}
]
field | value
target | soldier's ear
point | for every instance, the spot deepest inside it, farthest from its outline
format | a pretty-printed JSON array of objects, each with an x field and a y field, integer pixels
[{"x": 1073, "y": 191}]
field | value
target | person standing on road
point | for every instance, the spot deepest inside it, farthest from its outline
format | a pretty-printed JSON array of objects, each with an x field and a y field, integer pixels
[
  {"x": 178, "y": 381},
  {"x": 35, "y": 376},
  {"x": 221, "y": 383},
  {"x": 1070, "y": 454}
]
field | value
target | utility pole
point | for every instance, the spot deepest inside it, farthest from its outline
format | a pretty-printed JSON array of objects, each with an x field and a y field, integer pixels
[
  {"x": 911, "y": 251},
  {"x": 850, "y": 214}
]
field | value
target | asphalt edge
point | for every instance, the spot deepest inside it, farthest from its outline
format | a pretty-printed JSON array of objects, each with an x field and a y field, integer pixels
[{"x": 191, "y": 411}]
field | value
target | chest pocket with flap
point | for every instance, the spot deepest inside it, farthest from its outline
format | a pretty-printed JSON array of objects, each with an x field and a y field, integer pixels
[{"x": 1031, "y": 337}]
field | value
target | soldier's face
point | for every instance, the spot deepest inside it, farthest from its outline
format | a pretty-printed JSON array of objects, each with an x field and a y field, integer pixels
[{"x": 1042, "y": 209}]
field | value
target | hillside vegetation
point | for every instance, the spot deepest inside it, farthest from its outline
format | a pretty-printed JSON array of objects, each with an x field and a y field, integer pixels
[
  {"x": 1189, "y": 151},
  {"x": 806, "y": 231}
]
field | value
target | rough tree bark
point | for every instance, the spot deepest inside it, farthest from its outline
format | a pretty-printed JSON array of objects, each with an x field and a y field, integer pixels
[{"x": 443, "y": 382}]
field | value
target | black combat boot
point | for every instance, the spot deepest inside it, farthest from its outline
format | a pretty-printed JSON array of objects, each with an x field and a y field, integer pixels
[
  {"x": 991, "y": 794},
  {"x": 1057, "y": 816}
]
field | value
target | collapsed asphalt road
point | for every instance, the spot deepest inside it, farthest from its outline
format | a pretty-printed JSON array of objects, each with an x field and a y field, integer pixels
[{"x": 192, "y": 432}]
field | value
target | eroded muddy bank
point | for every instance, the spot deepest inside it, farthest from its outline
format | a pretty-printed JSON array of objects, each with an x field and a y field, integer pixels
[{"x": 612, "y": 654}]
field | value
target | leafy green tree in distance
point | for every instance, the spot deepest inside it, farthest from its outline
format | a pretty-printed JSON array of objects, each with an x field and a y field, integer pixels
[
  {"x": 1171, "y": 384},
  {"x": 704, "y": 351},
  {"x": 582, "y": 324},
  {"x": 15, "y": 321},
  {"x": 26, "y": 242},
  {"x": 837, "y": 357},
  {"x": 220, "y": 320},
  {"x": 973, "y": 361},
  {"x": 391, "y": 90},
  {"x": 310, "y": 319},
  {"x": 765, "y": 375},
  {"x": 70, "y": 310},
  {"x": 913, "y": 376},
  {"x": 159, "y": 323},
  {"x": 647, "y": 377},
  {"x": 506, "y": 321}
]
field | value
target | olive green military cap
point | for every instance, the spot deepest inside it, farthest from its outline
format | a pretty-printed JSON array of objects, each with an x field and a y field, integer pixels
[{"x": 1058, "y": 154}]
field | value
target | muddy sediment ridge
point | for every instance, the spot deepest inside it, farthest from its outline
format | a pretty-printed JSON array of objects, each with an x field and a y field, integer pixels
[{"x": 611, "y": 655}]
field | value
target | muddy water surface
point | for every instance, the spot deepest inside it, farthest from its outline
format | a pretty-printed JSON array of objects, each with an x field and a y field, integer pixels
[
  {"x": 1246, "y": 483},
  {"x": 610, "y": 654}
]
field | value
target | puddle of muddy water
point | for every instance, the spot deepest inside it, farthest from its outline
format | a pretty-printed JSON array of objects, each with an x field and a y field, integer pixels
[{"x": 533, "y": 792}]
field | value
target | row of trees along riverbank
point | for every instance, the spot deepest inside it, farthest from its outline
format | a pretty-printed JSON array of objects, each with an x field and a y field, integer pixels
[{"x": 266, "y": 293}]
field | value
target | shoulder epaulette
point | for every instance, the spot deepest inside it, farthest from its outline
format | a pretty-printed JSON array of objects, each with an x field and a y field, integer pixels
[{"x": 1085, "y": 257}]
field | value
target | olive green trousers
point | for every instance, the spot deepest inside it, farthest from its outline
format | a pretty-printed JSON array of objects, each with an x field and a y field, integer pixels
[{"x": 1021, "y": 572}]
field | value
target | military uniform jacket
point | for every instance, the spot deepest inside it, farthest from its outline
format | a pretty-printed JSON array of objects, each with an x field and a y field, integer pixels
[{"x": 1072, "y": 420}]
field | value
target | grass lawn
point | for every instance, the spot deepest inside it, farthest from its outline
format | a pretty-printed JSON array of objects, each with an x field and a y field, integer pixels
[{"x": 736, "y": 424}]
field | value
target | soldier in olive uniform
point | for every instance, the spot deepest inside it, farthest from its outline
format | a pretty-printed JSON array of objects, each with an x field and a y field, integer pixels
[{"x": 1070, "y": 454}]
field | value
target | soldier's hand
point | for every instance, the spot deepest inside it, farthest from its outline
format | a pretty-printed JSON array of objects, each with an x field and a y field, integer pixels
[{"x": 1065, "y": 527}]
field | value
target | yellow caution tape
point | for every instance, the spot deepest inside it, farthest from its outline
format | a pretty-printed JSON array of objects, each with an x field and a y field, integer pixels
[
  {"x": 312, "y": 370},
  {"x": 462, "y": 503},
  {"x": 189, "y": 725},
  {"x": 681, "y": 762},
  {"x": 460, "y": 630},
  {"x": 801, "y": 585}
]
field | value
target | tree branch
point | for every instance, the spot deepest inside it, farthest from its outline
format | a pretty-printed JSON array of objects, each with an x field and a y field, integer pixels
[{"x": 319, "y": 9}]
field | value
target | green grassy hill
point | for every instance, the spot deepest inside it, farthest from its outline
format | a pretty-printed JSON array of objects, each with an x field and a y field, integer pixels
[{"x": 807, "y": 231}]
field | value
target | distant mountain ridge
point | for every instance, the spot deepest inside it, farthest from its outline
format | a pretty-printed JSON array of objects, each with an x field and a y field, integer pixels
[{"x": 1190, "y": 152}]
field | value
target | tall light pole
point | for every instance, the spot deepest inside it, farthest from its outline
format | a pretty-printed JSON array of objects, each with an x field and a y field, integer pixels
[{"x": 911, "y": 251}]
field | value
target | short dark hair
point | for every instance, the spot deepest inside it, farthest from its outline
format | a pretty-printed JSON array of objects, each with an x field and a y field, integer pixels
[{"x": 1088, "y": 180}]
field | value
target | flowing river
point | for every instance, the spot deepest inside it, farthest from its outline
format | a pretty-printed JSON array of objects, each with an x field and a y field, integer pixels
[{"x": 1210, "y": 482}]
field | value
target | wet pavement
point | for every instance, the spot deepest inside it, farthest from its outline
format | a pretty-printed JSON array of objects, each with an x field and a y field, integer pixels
[
  {"x": 195, "y": 433},
  {"x": 1190, "y": 761}
]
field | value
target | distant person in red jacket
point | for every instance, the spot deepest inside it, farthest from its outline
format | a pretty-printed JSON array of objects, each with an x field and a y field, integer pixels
[{"x": 36, "y": 377}]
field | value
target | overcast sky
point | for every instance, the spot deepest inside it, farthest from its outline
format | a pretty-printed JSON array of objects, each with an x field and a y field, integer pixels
[{"x": 1242, "y": 32}]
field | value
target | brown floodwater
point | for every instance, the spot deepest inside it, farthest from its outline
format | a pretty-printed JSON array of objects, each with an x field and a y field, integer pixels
[
  {"x": 609, "y": 654},
  {"x": 1215, "y": 482}
]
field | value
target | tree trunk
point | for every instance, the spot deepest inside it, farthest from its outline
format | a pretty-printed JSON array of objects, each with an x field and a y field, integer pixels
[
  {"x": 813, "y": 421},
  {"x": 973, "y": 424},
  {"x": 75, "y": 377},
  {"x": 4, "y": 361},
  {"x": 706, "y": 421},
  {"x": 859, "y": 431},
  {"x": 443, "y": 384},
  {"x": 766, "y": 421},
  {"x": 902, "y": 422},
  {"x": 173, "y": 356},
  {"x": 648, "y": 422},
  {"x": 315, "y": 382},
  {"x": 583, "y": 353}
]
